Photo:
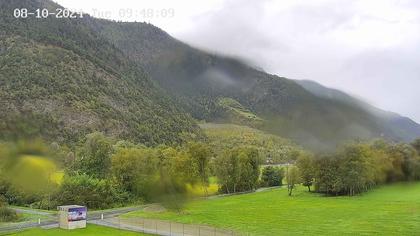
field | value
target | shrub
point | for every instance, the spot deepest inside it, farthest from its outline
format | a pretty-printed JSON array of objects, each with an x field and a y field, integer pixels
[
  {"x": 7, "y": 214},
  {"x": 271, "y": 176},
  {"x": 91, "y": 192}
]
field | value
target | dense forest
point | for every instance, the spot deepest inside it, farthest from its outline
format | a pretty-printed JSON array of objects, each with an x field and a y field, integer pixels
[{"x": 60, "y": 80}]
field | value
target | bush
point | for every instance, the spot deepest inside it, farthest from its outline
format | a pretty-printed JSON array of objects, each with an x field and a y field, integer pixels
[
  {"x": 271, "y": 176},
  {"x": 7, "y": 214},
  {"x": 91, "y": 192}
]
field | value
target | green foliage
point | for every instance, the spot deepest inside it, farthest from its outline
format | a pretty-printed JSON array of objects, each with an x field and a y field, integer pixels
[
  {"x": 273, "y": 149},
  {"x": 292, "y": 178},
  {"x": 416, "y": 145},
  {"x": 232, "y": 111},
  {"x": 238, "y": 170},
  {"x": 95, "y": 157},
  {"x": 162, "y": 173},
  {"x": 356, "y": 169},
  {"x": 134, "y": 169},
  {"x": 271, "y": 176},
  {"x": 72, "y": 81},
  {"x": 91, "y": 192},
  {"x": 101, "y": 173},
  {"x": 174, "y": 171},
  {"x": 359, "y": 167},
  {"x": 306, "y": 164},
  {"x": 327, "y": 176},
  {"x": 7, "y": 214},
  {"x": 200, "y": 154}
]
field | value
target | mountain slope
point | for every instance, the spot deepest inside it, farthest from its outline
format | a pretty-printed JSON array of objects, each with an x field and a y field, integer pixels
[
  {"x": 62, "y": 78},
  {"x": 402, "y": 128},
  {"x": 59, "y": 79},
  {"x": 198, "y": 80}
]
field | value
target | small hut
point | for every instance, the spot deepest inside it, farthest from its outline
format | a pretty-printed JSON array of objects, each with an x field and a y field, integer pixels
[{"x": 72, "y": 216}]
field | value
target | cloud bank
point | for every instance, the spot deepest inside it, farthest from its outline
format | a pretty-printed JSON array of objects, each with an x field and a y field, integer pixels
[{"x": 368, "y": 48}]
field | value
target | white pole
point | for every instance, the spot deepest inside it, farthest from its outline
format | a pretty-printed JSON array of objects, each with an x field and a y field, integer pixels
[
  {"x": 39, "y": 221},
  {"x": 102, "y": 216}
]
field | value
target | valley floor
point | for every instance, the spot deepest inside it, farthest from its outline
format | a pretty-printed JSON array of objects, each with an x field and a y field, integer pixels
[{"x": 388, "y": 210}]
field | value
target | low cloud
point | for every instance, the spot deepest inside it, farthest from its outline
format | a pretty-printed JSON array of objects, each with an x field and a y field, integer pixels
[{"x": 366, "y": 48}]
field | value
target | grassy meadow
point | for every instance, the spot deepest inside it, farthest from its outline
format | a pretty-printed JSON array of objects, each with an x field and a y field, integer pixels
[{"x": 388, "y": 210}]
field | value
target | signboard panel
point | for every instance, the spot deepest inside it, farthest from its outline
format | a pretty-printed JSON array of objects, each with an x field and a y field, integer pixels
[{"x": 77, "y": 214}]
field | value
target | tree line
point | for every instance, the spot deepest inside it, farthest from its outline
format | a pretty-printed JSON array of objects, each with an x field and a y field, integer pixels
[
  {"x": 359, "y": 167},
  {"x": 103, "y": 172}
]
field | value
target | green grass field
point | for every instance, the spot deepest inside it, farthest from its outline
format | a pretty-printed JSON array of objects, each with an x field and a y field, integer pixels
[
  {"x": 388, "y": 210},
  {"x": 90, "y": 230}
]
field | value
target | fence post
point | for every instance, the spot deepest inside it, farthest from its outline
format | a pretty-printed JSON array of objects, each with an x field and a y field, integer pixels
[
  {"x": 102, "y": 216},
  {"x": 39, "y": 221}
]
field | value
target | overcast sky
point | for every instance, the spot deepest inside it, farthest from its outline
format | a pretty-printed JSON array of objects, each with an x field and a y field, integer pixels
[{"x": 367, "y": 48}]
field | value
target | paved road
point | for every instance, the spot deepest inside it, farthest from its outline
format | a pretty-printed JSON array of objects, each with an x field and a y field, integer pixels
[
  {"x": 33, "y": 211},
  {"x": 26, "y": 225},
  {"x": 109, "y": 213},
  {"x": 110, "y": 219},
  {"x": 52, "y": 221}
]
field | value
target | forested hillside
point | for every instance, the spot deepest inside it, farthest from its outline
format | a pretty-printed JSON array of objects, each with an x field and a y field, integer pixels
[
  {"x": 59, "y": 79},
  {"x": 399, "y": 127},
  {"x": 272, "y": 149},
  {"x": 199, "y": 81},
  {"x": 64, "y": 78}
]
